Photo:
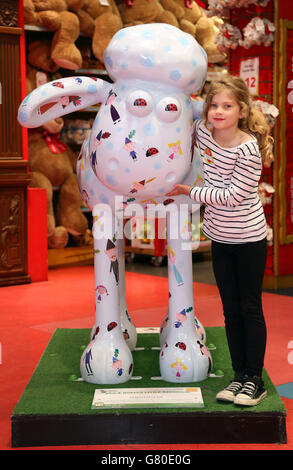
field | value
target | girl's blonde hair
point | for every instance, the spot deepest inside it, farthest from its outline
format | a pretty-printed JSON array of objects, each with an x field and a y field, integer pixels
[{"x": 253, "y": 122}]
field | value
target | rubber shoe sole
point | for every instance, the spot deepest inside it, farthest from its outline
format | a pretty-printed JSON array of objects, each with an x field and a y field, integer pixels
[
  {"x": 245, "y": 400},
  {"x": 229, "y": 395},
  {"x": 225, "y": 395}
]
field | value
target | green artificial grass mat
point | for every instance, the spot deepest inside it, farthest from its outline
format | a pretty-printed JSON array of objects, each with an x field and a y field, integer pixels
[{"x": 54, "y": 389}]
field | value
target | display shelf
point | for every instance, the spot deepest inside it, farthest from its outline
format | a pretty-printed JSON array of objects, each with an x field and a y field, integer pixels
[{"x": 70, "y": 255}]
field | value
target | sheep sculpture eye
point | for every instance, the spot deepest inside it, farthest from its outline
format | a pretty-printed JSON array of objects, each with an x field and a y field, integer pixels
[
  {"x": 168, "y": 109},
  {"x": 139, "y": 103}
]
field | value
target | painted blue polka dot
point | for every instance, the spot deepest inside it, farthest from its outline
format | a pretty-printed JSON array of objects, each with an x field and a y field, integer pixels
[
  {"x": 104, "y": 199},
  {"x": 92, "y": 88},
  {"x": 120, "y": 34},
  {"x": 148, "y": 34},
  {"x": 194, "y": 63},
  {"x": 43, "y": 93},
  {"x": 168, "y": 48},
  {"x": 175, "y": 75},
  {"x": 127, "y": 170},
  {"x": 111, "y": 180},
  {"x": 88, "y": 175},
  {"x": 147, "y": 61},
  {"x": 178, "y": 129},
  {"x": 109, "y": 145},
  {"x": 22, "y": 116},
  {"x": 183, "y": 40},
  {"x": 109, "y": 61},
  {"x": 124, "y": 65},
  {"x": 149, "y": 129},
  {"x": 92, "y": 192},
  {"x": 157, "y": 165}
]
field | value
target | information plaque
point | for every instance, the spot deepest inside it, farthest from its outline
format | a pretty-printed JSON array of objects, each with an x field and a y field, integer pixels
[{"x": 166, "y": 397}]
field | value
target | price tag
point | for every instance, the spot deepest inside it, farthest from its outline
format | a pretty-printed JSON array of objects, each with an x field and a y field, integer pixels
[{"x": 249, "y": 72}]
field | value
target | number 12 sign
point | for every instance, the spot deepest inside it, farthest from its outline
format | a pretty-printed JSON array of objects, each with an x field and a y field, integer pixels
[{"x": 249, "y": 72}]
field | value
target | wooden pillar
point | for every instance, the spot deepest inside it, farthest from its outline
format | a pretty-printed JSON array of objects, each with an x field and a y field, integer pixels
[{"x": 14, "y": 177}]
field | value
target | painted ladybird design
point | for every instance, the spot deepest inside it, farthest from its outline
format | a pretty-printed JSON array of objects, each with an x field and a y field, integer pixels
[
  {"x": 168, "y": 201},
  {"x": 140, "y": 102},
  {"x": 171, "y": 107},
  {"x": 111, "y": 326},
  {"x": 181, "y": 345},
  {"x": 151, "y": 151},
  {"x": 58, "y": 84}
]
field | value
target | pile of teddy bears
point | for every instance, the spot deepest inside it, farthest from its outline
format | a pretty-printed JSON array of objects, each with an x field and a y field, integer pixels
[{"x": 101, "y": 19}]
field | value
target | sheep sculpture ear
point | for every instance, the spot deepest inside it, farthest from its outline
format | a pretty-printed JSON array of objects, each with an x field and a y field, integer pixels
[{"x": 60, "y": 97}]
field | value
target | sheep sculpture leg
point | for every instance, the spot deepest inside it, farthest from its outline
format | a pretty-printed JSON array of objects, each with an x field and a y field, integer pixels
[
  {"x": 183, "y": 357},
  {"x": 107, "y": 359}
]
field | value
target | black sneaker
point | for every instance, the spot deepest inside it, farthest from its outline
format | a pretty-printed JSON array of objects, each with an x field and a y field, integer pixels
[
  {"x": 252, "y": 393},
  {"x": 229, "y": 393}
]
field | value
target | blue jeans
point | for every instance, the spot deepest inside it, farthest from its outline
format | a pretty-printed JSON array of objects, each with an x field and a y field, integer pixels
[{"x": 239, "y": 271}]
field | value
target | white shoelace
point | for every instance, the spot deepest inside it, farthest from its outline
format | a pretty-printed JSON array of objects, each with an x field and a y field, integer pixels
[
  {"x": 248, "y": 388},
  {"x": 234, "y": 386}
]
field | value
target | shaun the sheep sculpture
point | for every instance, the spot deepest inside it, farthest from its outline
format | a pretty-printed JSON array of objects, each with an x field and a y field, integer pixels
[{"x": 140, "y": 145}]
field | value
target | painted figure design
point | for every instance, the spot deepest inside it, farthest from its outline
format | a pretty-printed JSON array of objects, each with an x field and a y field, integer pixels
[
  {"x": 87, "y": 359},
  {"x": 113, "y": 111},
  {"x": 112, "y": 252},
  {"x": 172, "y": 260}
]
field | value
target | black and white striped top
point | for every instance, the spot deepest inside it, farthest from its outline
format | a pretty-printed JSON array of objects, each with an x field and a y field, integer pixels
[{"x": 233, "y": 211}]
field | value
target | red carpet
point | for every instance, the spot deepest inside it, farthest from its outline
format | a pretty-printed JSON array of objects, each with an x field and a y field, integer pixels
[{"x": 30, "y": 313}]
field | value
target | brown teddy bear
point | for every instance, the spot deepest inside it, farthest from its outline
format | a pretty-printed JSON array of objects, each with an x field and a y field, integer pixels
[
  {"x": 192, "y": 19},
  {"x": 52, "y": 163},
  {"x": 43, "y": 14},
  {"x": 100, "y": 20},
  {"x": 145, "y": 11},
  {"x": 54, "y": 15}
]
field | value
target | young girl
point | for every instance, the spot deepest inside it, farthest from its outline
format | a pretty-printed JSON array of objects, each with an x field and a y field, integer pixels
[{"x": 233, "y": 140}]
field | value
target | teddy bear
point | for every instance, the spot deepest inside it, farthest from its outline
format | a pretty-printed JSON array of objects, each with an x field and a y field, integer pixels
[
  {"x": 52, "y": 163},
  {"x": 192, "y": 19},
  {"x": 43, "y": 14},
  {"x": 145, "y": 11},
  {"x": 99, "y": 20},
  {"x": 54, "y": 15}
]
